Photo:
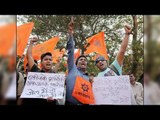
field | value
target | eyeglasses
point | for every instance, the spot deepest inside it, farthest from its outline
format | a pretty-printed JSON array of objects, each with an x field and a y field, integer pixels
[{"x": 99, "y": 61}]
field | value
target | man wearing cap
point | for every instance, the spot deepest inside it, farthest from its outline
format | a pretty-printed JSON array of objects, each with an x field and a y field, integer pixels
[
  {"x": 116, "y": 67},
  {"x": 74, "y": 69}
]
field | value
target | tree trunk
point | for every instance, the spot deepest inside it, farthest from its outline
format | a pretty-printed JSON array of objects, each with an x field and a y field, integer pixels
[{"x": 134, "y": 45}]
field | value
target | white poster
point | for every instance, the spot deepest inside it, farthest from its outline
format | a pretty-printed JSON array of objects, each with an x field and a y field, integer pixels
[
  {"x": 44, "y": 85},
  {"x": 114, "y": 90}
]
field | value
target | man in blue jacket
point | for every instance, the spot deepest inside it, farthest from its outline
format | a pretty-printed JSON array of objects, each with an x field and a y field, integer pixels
[{"x": 75, "y": 69}]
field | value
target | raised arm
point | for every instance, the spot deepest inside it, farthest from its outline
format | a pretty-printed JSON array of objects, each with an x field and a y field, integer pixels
[
  {"x": 70, "y": 47},
  {"x": 124, "y": 45},
  {"x": 29, "y": 53}
]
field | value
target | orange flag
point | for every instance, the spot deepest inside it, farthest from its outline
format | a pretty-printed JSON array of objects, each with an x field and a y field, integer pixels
[
  {"x": 83, "y": 91},
  {"x": 7, "y": 38},
  {"x": 23, "y": 33},
  {"x": 56, "y": 54},
  {"x": 47, "y": 46},
  {"x": 42, "y": 48},
  {"x": 97, "y": 44}
]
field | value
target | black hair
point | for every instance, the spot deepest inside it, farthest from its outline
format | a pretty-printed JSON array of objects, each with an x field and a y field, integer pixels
[
  {"x": 79, "y": 58},
  {"x": 45, "y": 54}
]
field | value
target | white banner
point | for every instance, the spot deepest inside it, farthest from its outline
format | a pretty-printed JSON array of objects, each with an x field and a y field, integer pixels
[
  {"x": 115, "y": 90},
  {"x": 44, "y": 85}
]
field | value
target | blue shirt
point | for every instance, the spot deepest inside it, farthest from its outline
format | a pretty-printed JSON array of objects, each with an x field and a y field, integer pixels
[{"x": 73, "y": 72}]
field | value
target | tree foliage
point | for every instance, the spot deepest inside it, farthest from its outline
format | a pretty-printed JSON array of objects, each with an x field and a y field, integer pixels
[{"x": 47, "y": 26}]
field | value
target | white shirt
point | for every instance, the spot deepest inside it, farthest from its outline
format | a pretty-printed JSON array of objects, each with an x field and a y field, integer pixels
[{"x": 138, "y": 92}]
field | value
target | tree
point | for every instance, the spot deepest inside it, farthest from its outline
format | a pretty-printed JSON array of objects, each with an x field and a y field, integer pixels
[{"x": 47, "y": 26}]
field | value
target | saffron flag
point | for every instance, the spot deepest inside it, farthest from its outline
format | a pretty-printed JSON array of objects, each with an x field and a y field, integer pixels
[
  {"x": 23, "y": 33},
  {"x": 38, "y": 50},
  {"x": 83, "y": 91},
  {"x": 97, "y": 44},
  {"x": 7, "y": 38},
  {"x": 47, "y": 46},
  {"x": 55, "y": 55}
]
